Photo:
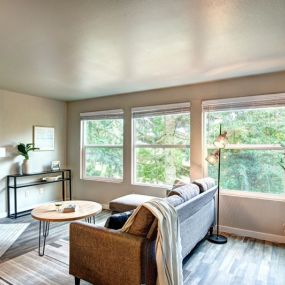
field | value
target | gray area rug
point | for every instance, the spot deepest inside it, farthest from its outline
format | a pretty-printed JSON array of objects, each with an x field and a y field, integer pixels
[
  {"x": 31, "y": 269},
  {"x": 28, "y": 268},
  {"x": 9, "y": 233}
]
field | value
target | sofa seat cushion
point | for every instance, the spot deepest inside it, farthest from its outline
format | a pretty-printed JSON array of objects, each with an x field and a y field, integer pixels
[
  {"x": 128, "y": 202},
  {"x": 205, "y": 184},
  {"x": 117, "y": 221},
  {"x": 186, "y": 192}
]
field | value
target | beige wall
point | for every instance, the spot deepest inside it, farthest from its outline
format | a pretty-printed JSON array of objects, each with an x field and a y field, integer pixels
[
  {"x": 18, "y": 114},
  {"x": 239, "y": 212}
]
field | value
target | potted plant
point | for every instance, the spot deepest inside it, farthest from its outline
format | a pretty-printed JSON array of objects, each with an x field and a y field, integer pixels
[{"x": 24, "y": 150}]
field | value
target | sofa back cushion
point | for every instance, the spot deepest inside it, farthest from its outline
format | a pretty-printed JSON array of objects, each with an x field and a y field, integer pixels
[
  {"x": 174, "y": 200},
  {"x": 177, "y": 183},
  {"x": 186, "y": 192},
  {"x": 205, "y": 184}
]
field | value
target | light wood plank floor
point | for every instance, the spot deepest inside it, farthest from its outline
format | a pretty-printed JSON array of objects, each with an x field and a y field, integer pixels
[{"x": 242, "y": 261}]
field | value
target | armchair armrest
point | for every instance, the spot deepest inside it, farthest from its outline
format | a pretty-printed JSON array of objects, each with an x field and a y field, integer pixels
[{"x": 106, "y": 257}]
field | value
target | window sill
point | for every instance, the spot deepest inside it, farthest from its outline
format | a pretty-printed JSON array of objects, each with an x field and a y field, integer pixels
[
  {"x": 254, "y": 195},
  {"x": 106, "y": 180}
]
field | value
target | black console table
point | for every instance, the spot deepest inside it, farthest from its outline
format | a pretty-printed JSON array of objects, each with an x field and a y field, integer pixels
[{"x": 12, "y": 184}]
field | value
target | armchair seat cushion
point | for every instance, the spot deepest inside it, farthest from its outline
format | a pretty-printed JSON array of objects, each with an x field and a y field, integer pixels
[{"x": 128, "y": 202}]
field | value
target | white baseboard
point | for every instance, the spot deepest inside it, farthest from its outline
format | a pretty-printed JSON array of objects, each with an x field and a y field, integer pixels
[
  {"x": 253, "y": 234},
  {"x": 3, "y": 215}
]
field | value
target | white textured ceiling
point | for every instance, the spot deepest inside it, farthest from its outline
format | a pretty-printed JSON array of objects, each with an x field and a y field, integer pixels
[{"x": 76, "y": 49}]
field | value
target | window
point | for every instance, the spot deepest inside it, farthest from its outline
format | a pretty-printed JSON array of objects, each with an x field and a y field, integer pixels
[
  {"x": 253, "y": 159},
  {"x": 102, "y": 145},
  {"x": 161, "y": 144}
]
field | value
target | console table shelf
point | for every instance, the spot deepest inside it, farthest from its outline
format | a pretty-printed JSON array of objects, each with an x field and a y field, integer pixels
[
  {"x": 12, "y": 185},
  {"x": 37, "y": 183}
]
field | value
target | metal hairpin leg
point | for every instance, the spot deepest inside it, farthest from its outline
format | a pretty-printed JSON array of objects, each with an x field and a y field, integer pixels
[
  {"x": 90, "y": 220},
  {"x": 45, "y": 234}
]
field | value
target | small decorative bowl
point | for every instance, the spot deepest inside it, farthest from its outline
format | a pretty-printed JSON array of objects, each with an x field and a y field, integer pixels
[{"x": 58, "y": 206}]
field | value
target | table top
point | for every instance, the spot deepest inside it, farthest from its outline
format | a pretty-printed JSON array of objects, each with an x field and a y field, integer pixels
[
  {"x": 48, "y": 212},
  {"x": 39, "y": 173}
]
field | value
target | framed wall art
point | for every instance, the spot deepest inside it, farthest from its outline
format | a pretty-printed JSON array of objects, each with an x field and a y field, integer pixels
[
  {"x": 44, "y": 137},
  {"x": 55, "y": 165}
]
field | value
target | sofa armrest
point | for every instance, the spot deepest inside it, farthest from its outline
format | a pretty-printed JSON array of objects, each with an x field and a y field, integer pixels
[
  {"x": 105, "y": 257},
  {"x": 192, "y": 206}
]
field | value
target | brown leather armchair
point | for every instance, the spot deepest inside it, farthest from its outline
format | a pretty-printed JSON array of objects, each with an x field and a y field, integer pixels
[{"x": 109, "y": 257}]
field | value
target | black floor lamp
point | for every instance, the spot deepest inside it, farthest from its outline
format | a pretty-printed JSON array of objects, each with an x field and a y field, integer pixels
[{"x": 213, "y": 158}]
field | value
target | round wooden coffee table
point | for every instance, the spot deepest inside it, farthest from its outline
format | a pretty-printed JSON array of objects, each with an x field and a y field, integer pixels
[{"x": 47, "y": 213}]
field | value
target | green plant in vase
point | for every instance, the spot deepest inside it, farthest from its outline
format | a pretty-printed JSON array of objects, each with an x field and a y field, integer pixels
[{"x": 24, "y": 150}]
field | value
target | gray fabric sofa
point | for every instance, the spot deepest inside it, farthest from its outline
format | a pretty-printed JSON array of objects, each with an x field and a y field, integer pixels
[
  {"x": 196, "y": 217},
  {"x": 105, "y": 257}
]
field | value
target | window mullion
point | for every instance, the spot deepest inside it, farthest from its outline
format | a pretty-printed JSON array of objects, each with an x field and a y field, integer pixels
[
  {"x": 161, "y": 146},
  {"x": 104, "y": 146},
  {"x": 250, "y": 146}
]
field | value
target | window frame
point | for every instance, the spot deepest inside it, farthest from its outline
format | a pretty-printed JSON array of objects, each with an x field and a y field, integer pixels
[
  {"x": 153, "y": 146},
  {"x": 84, "y": 146},
  {"x": 278, "y": 100}
]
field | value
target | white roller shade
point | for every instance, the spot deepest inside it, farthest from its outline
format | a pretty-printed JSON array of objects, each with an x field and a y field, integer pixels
[
  {"x": 250, "y": 102},
  {"x": 159, "y": 110},
  {"x": 101, "y": 115}
]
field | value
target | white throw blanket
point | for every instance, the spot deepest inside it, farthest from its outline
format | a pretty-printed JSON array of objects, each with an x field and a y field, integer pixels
[{"x": 168, "y": 243}]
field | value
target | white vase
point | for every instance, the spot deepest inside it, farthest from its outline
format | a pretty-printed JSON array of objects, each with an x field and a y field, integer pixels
[{"x": 26, "y": 166}]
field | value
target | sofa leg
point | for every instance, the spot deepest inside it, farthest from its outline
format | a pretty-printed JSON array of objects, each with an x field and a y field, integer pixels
[
  {"x": 211, "y": 230},
  {"x": 77, "y": 281}
]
